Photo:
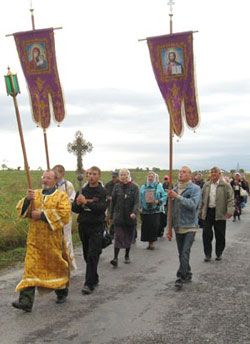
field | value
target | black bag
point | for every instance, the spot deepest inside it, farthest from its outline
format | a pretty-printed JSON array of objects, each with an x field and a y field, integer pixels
[{"x": 107, "y": 239}]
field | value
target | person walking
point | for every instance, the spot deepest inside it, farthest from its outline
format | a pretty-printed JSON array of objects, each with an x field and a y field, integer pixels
[
  {"x": 239, "y": 187},
  {"x": 186, "y": 199},
  {"x": 67, "y": 186},
  {"x": 46, "y": 267},
  {"x": 216, "y": 207},
  {"x": 90, "y": 203},
  {"x": 152, "y": 197},
  {"x": 123, "y": 214}
]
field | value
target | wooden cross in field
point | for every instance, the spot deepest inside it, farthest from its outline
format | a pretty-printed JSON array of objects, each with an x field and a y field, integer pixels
[{"x": 79, "y": 147}]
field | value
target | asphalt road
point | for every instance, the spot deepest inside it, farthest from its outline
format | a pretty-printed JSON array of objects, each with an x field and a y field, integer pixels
[{"x": 137, "y": 303}]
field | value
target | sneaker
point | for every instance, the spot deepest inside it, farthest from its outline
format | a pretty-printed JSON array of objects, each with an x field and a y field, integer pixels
[
  {"x": 127, "y": 260},
  {"x": 87, "y": 290},
  {"x": 179, "y": 283},
  {"x": 218, "y": 258},
  {"x": 114, "y": 262},
  {"x": 18, "y": 305},
  {"x": 207, "y": 259}
]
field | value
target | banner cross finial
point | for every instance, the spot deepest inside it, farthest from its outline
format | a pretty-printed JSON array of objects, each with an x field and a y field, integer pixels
[{"x": 170, "y": 4}]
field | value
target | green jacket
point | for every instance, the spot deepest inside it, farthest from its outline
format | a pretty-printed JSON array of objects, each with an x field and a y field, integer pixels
[{"x": 224, "y": 200}]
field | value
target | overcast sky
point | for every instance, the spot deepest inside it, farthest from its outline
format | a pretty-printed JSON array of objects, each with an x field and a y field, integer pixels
[{"x": 110, "y": 91}]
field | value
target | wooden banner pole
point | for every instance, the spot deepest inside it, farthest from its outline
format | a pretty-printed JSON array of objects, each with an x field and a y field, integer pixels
[
  {"x": 169, "y": 232},
  {"x": 46, "y": 148},
  {"x": 26, "y": 165}
]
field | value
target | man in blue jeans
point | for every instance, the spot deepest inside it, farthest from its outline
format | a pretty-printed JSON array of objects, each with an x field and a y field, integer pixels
[{"x": 186, "y": 199}]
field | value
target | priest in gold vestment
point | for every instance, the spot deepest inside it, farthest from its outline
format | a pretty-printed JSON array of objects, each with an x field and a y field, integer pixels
[{"x": 47, "y": 266}]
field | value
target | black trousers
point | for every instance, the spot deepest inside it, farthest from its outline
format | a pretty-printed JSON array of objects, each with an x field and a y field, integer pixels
[
  {"x": 27, "y": 295},
  {"x": 91, "y": 238},
  {"x": 219, "y": 231}
]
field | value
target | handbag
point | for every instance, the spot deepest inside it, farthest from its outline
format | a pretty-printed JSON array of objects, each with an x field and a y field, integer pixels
[
  {"x": 243, "y": 192},
  {"x": 106, "y": 239}
]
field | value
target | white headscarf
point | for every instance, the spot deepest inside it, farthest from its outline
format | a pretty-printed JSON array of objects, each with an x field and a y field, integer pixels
[{"x": 128, "y": 173}]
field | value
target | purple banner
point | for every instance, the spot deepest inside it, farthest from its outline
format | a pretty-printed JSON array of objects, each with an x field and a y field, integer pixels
[
  {"x": 36, "y": 50},
  {"x": 172, "y": 61}
]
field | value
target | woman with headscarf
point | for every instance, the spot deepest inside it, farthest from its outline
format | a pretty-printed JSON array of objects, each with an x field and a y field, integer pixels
[
  {"x": 238, "y": 184},
  {"x": 123, "y": 214},
  {"x": 152, "y": 197}
]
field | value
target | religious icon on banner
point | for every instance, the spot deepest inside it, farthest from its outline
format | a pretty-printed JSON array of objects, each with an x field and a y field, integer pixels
[
  {"x": 172, "y": 62},
  {"x": 36, "y": 50},
  {"x": 37, "y": 56}
]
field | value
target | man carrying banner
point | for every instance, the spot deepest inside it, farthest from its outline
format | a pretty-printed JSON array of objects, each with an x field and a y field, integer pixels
[
  {"x": 186, "y": 199},
  {"x": 46, "y": 266}
]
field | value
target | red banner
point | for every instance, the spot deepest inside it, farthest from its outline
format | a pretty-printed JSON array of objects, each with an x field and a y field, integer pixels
[{"x": 36, "y": 50}]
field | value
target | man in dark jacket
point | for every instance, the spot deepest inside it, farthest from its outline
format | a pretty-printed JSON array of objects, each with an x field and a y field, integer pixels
[{"x": 91, "y": 204}]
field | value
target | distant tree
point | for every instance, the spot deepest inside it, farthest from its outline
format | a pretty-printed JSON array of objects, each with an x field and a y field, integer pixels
[
  {"x": 39, "y": 168},
  {"x": 4, "y": 167},
  {"x": 147, "y": 168},
  {"x": 241, "y": 170},
  {"x": 156, "y": 169},
  {"x": 232, "y": 171},
  {"x": 19, "y": 168}
]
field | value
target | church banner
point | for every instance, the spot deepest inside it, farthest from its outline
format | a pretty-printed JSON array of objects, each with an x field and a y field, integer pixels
[
  {"x": 173, "y": 66},
  {"x": 36, "y": 50}
]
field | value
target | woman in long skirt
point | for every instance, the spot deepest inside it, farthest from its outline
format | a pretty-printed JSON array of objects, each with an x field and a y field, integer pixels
[
  {"x": 152, "y": 197},
  {"x": 123, "y": 214}
]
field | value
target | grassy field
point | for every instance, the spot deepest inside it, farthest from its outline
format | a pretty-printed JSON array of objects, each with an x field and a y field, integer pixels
[{"x": 13, "y": 231}]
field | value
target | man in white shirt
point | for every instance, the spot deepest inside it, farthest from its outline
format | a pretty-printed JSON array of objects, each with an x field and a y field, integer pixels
[{"x": 216, "y": 207}]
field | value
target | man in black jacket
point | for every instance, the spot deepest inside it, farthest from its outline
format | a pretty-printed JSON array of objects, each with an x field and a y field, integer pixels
[{"x": 91, "y": 204}]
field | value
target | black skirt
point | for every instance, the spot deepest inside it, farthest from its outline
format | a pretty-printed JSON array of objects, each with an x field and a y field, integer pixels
[{"x": 149, "y": 226}]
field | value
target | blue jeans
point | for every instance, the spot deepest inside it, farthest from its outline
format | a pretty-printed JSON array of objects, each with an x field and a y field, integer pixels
[{"x": 184, "y": 244}]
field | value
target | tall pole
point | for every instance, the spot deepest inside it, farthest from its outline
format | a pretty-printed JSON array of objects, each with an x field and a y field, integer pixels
[
  {"x": 32, "y": 16},
  {"x": 169, "y": 233},
  {"x": 44, "y": 130},
  {"x": 13, "y": 89}
]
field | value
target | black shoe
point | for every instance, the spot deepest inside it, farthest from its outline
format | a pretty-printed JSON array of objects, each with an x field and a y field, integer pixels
[
  {"x": 234, "y": 219},
  {"x": 61, "y": 299},
  {"x": 86, "y": 290},
  {"x": 127, "y": 260},
  {"x": 188, "y": 278},
  {"x": 179, "y": 283},
  {"x": 218, "y": 257},
  {"x": 114, "y": 262},
  {"x": 18, "y": 305},
  {"x": 207, "y": 259}
]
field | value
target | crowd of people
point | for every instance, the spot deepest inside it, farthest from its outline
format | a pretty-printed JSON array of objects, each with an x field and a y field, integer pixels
[{"x": 117, "y": 206}]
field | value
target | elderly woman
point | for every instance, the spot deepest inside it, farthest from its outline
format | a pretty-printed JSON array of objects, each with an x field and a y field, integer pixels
[
  {"x": 152, "y": 196},
  {"x": 123, "y": 214}
]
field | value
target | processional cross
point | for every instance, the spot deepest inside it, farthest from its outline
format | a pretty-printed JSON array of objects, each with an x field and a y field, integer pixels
[{"x": 79, "y": 147}]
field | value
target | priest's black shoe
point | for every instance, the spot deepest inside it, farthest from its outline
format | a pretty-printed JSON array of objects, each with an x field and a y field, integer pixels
[
  {"x": 18, "y": 305},
  {"x": 61, "y": 299}
]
